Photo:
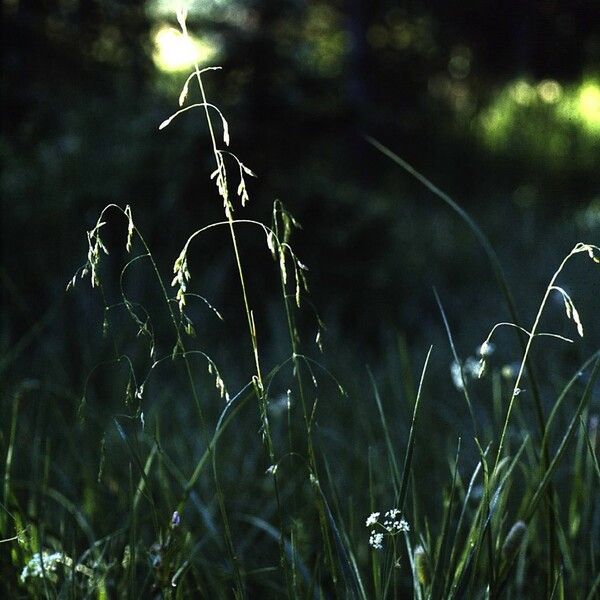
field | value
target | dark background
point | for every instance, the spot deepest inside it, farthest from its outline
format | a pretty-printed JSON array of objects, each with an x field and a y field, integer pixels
[{"x": 496, "y": 103}]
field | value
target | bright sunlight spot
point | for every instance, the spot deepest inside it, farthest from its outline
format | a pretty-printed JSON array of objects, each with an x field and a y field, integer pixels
[
  {"x": 523, "y": 109},
  {"x": 589, "y": 105},
  {"x": 174, "y": 52}
]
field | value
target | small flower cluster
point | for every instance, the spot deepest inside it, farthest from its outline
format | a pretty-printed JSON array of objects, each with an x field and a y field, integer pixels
[
  {"x": 50, "y": 564},
  {"x": 391, "y": 524},
  {"x": 46, "y": 564},
  {"x": 372, "y": 519},
  {"x": 376, "y": 540}
]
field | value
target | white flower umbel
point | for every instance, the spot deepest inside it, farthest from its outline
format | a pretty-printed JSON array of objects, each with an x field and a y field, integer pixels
[
  {"x": 376, "y": 540},
  {"x": 372, "y": 519},
  {"x": 391, "y": 525},
  {"x": 46, "y": 564},
  {"x": 50, "y": 562}
]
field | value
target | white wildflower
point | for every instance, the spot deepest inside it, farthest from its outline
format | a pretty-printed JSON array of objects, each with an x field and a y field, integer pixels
[
  {"x": 50, "y": 563},
  {"x": 402, "y": 525},
  {"x": 376, "y": 540},
  {"x": 372, "y": 519},
  {"x": 393, "y": 523}
]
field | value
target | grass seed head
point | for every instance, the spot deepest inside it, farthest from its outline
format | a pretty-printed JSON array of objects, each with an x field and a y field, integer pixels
[{"x": 514, "y": 539}]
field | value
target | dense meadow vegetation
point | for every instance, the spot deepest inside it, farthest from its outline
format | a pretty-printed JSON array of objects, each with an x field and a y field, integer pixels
[{"x": 389, "y": 395}]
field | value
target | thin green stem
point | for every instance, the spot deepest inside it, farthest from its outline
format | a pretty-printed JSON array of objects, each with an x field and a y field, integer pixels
[{"x": 530, "y": 337}]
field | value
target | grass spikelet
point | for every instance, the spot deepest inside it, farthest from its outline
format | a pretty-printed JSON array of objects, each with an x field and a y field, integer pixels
[
  {"x": 422, "y": 566},
  {"x": 514, "y": 539}
]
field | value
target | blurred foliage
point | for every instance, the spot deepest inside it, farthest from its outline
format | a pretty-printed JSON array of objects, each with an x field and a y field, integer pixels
[{"x": 546, "y": 124}]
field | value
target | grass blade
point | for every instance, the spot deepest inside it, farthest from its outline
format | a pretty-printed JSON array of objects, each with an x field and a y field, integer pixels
[
  {"x": 437, "y": 584},
  {"x": 487, "y": 248},
  {"x": 563, "y": 444},
  {"x": 411, "y": 439},
  {"x": 386, "y": 433}
]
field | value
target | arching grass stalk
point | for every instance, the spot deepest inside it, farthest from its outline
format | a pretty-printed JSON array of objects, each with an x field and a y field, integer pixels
[
  {"x": 273, "y": 241},
  {"x": 179, "y": 350},
  {"x": 222, "y": 185},
  {"x": 571, "y": 313},
  {"x": 91, "y": 268},
  {"x": 182, "y": 274}
]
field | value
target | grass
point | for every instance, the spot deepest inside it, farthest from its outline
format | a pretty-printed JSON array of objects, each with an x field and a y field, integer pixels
[{"x": 164, "y": 481}]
